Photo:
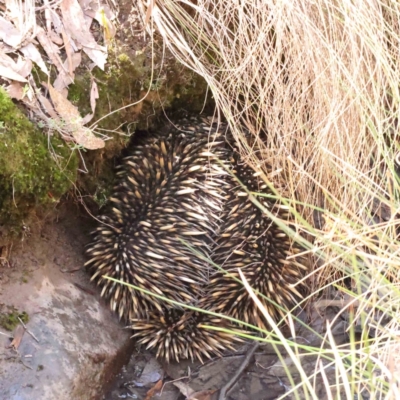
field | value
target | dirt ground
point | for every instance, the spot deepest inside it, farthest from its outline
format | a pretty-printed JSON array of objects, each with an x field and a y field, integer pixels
[
  {"x": 86, "y": 351},
  {"x": 73, "y": 345}
]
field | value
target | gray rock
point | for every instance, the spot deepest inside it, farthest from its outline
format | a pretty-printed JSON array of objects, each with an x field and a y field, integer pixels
[{"x": 81, "y": 345}]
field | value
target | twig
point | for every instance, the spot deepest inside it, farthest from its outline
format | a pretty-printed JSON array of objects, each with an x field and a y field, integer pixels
[
  {"x": 6, "y": 334},
  {"x": 70, "y": 271},
  {"x": 225, "y": 389},
  {"x": 28, "y": 329},
  {"x": 84, "y": 289},
  {"x": 25, "y": 365}
]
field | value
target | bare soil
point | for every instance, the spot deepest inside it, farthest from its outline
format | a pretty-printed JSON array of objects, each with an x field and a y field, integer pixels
[{"x": 79, "y": 350}]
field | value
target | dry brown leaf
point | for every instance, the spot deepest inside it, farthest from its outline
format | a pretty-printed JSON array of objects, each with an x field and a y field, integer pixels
[
  {"x": 16, "y": 90},
  {"x": 32, "y": 53},
  {"x": 11, "y": 70},
  {"x": 68, "y": 51},
  {"x": 185, "y": 389},
  {"x": 53, "y": 36},
  {"x": 9, "y": 33},
  {"x": 47, "y": 106},
  {"x": 24, "y": 67},
  {"x": 75, "y": 26},
  {"x": 7, "y": 61},
  {"x": 85, "y": 4},
  {"x": 64, "y": 107},
  {"x": 86, "y": 138},
  {"x": 8, "y": 73},
  {"x": 70, "y": 114},
  {"x": 18, "y": 335},
  {"x": 154, "y": 390},
  {"x": 56, "y": 20},
  {"x": 50, "y": 48},
  {"x": 64, "y": 79},
  {"x": 47, "y": 15},
  {"x": 202, "y": 395},
  {"x": 22, "y": 15},
  {"x": 94, "y": 95},
  {"x": 64, "y": 93}
]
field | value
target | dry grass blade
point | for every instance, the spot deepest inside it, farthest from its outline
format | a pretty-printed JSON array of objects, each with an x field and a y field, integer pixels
[{"x": 316, "y": 83}]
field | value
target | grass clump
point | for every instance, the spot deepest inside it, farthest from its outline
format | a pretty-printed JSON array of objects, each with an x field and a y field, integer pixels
[
  {"x": 317, "y": 85},
  {"x": 9, "y": 320}
]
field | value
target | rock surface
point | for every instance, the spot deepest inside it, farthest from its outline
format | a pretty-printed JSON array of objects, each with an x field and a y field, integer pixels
[{"x": 80, "y": 344}]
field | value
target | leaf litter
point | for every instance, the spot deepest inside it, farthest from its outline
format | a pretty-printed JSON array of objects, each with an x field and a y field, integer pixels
[{"x": 55, "y": 43}]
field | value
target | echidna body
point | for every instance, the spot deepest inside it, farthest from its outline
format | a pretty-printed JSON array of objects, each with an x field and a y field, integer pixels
[
  {"x": 250, "y": 240},
  {"x": 170, "y": 190},
  {"x": 175, "y": 190},
  {"x": 178, "y": 334}
]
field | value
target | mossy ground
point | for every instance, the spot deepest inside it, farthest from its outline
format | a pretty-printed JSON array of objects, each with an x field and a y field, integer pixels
[
  {"x": 9, "y": 318},
  {"x": 128, "y": 79},
  {"x": 35, "y": 169}
]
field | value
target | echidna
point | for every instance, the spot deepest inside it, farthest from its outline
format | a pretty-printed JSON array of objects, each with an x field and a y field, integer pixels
[
  {"x": 248, "y": 239},
  {"x": 177, "y": 334},
  {"x": 175, "y": 189}
]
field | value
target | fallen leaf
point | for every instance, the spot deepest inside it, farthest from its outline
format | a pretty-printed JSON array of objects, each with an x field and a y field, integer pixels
[
  {"x": 9, "y": 33},
  {"x": 64, "y": 93},
  {"x": 154, "y": 390},
  {"x": 64, "y": 79},
  {"x": 73, "y": 120},
  {"x": 8, "y": 73},
  {"x": 31, "y": 52},
  {"x": 50, "y": 48},
  {"x": 86, "y": 138},
  {"x": 23, "y": 16},
  {"x": 56, "y": 20},
  {"x": 76, "y": 27},
  {"x": 18, "y": 335},
  {"x": 16, "y": 90},
  {"x": 202, "y": 395},
  {"x": 94, "y": 95},
  {"x": 68, "y": 51},
  {"x": 24, "y": 67},
  {"x": 64, "y": 107},
  {"x": 47, "y": 15},
  {"x": 53, "y": 36},
  {"x": 149, "y": 12},
  {"x": 185, "y": 389},
  {"x": 47, "y": 106},
  {"x": 10, "y": 69}
]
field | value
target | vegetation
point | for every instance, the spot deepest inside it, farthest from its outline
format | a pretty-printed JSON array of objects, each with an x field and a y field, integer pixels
[
  {"x": 35, "y": 170},
  {"x": 316, "y": 83},
  {"x": 10, "y": 319}
]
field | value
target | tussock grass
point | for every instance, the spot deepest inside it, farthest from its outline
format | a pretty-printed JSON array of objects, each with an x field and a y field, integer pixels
[{"x": 317, "y": 85}]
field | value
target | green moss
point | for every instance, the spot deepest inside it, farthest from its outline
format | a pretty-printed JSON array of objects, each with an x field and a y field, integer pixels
[
  {"x": 35, "y": 169},
  {"x": 124, "y": 58},
  {"x": 25, "y": 277},
  {"x": 137, "y": 78},
  {"x": 127, "y": 79},
  {"x": 9, "y": 320}
]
